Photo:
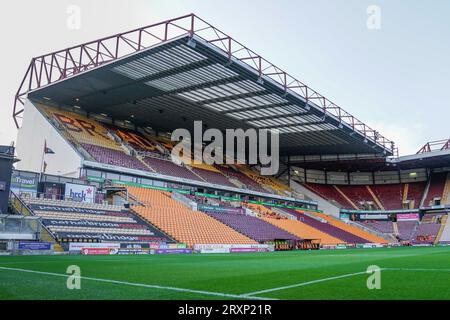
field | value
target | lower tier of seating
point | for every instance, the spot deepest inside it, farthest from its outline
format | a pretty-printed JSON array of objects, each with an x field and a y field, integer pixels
[
  {"x": 378, "y": 226},
  {"x": 253, "y": 227},
  {"x": 351, "y": 229},
  {"x": 406, "y": 229},
  {"x": 328, "y": 228},
  {"x": 72, "y": 222},
  {"x": 303, "y": 231},
  {"x": 183, "y": 224}
]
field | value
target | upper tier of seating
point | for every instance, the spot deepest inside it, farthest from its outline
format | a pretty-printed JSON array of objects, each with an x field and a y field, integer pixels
[
  {"x": 415, "y": 192},
  {"x": 390, "y": 195},
  {"x": 114, "y": 157},
  {"x": 332, "y": 230},
  {"x": 436, "y": 188},
  {"x": 330, "y": 193},
  {"x": 253, "y": 227},
  {"x": 268, "y": 181},
  {"x": 67, "y": 219},
  {"x": 212, "y": 176},
  {"x": 382, "y": 196},
  {"x": 135, "y": 139},
  {"x": 82, "y": 129},
  {"x": 169, "y": 168},
  {"x": 242, "y": 178},
  {"x": 183, "y": 224},
  {"x": 359, "y": 195}
]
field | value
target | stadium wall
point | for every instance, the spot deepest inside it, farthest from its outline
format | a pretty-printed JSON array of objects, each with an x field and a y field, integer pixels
[{"x": 35, "y": 131}]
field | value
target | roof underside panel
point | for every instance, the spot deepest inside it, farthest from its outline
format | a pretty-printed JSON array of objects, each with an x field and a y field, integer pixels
[{"x": 172, "y": 85}]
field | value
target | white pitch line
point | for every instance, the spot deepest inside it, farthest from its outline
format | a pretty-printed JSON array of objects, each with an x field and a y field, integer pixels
[
  {"x": 304, "y": 283},
  {"x": 337, "y": 277},
  {"x": 210, "y": 293}
]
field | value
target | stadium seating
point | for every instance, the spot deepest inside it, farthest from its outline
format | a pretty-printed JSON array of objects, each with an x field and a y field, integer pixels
[
  {"x": 351, "y": 229},
  {"x": 436, "y": 188},
  {"x": 415, "y": 193},
  {"x": 242, "y": 178},
  {"x": 390, "y": 195},
  {"x": 383, "y": 196},
  {"x": 138, "y": 141},
  {"x": 263, "y": 211},
  {"x": 183, "y": 224},
  {"x": 426, "y": 233},
  {"x": 359, "y": 195},
  {"x": 269, "y": 182},
  {"x": 77, "y": 220},
  {"x": 378, "y": 226},
  {"x": 81, "y": 128},
  {"x": 167, "y": 167},
  {"x": 330, "y": 193},
  {"x": 303, "y": 230},
  {"x": 114, "y": 157},
  {"x": 445, "y": 236},
  {"x": 211, "y": 175},
  {"x": 406, "y": 229},
  {"x": 253, "y": 227},
  {"x": 327, "y": 228}
]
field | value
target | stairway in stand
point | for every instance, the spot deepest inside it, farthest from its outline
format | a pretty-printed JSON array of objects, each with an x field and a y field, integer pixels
[
  {"x": 441, "y": 229},
  {"x": 395, "y": 226},
  {"x": 375, "y": 198},
  {"x": 446, "y": 193}
]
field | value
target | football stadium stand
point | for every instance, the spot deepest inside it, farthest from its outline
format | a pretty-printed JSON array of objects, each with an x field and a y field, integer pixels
[
  {"x": 247, "y": 182},
  {"x": 183, "y": 224},
  {"x": 326, "y": 227},
  {"x": 390, "y": 195},
  {"x": 445, "y": 236},
  {"x": 168, "y": 167},
  {"x": 435, "y": 189},
  {"x": 350, "y": 228},
  {"x": 110, "y": 119},
  {"x": 210, "y": 174},
  {"x": 415, "y": 193},
  {"x": 385, "y": 227},
  {"x": 406, "y": 229},
  {"x": 78, "y": 220},
  {"x": 359, "y": 195},
  {"x": 304, "y": 231},
  {"x": 373, "y": 197},
  {"x": 331, "y": 193},
  {"x": 253, "y": 227},
  {"x": 426, "y": 233}
]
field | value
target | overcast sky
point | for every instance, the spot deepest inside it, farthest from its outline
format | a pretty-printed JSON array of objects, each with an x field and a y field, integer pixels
[{"x": 395, "y": 77}]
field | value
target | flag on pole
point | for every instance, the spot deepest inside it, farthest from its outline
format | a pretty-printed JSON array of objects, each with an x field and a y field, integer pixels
[{"x": 47, "y": 150}]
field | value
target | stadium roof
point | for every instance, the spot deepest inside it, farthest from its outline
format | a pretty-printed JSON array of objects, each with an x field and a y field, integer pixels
[{"x": 169, "y": 74}]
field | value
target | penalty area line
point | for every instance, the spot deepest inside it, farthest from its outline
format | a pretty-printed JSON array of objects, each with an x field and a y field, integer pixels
[{"x": 136, "y": 284}]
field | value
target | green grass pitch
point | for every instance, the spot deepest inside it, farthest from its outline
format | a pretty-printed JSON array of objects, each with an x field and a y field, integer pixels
[{"x": 406, "y": 273}]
